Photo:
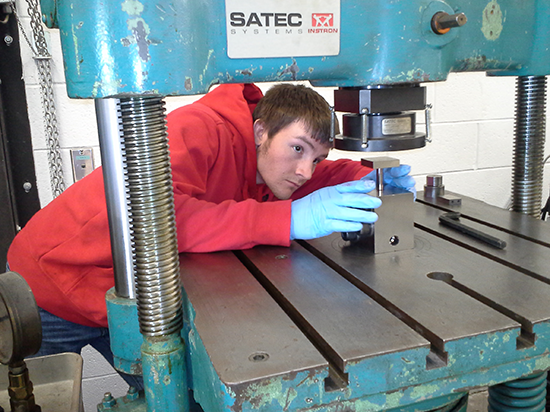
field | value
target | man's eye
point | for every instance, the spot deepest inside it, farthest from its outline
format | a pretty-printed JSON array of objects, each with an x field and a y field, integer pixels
[{"x": 298, "y": 149}]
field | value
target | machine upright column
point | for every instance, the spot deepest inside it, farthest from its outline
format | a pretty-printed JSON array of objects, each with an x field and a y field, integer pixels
[
  {"x": 153, "y": 219},
  {"x": 527, "y": 393},
  {"x": 145, "y": 186},
  {"x": 530, "y": 127},
  {"x": 116, "y": 194}
]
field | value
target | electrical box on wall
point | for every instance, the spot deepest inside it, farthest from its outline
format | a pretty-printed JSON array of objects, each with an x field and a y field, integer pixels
[{"x": 83, "y": 163}]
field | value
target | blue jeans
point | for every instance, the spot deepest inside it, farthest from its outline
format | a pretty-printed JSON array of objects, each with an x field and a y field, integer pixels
[{"x": 60, "y": 335}]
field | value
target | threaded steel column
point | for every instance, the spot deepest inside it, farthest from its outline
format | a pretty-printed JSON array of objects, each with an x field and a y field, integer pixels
[
  {"x": 156, "y": 259},
  {"x": 530, "y": 127},
  {"x": 152, "y": 215}
]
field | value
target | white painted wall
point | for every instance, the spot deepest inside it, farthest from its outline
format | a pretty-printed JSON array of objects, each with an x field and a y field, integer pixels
[{"x": 472, "y": 125}]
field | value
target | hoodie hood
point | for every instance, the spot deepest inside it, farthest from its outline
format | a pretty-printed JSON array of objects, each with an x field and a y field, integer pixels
[
  {"x": 231, "y": 101},
  {"x": 235, "y": 103}
]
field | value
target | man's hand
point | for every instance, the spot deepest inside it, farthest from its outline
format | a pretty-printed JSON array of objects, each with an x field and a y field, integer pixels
[
  {"x": 396, "y": 177},
  {"x": 333, "y": 209}
]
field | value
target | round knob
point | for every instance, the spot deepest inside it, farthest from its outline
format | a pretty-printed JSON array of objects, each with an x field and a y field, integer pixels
[
  {"x": 443, "y": 22},
  {"x": 434, "y": 180}
]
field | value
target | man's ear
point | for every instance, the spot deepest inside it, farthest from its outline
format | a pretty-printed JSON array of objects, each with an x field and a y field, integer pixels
[{"x": 260, "y": 132}]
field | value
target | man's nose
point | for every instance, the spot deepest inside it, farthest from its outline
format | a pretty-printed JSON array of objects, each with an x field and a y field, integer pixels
[{"x": 305, "y": 169}]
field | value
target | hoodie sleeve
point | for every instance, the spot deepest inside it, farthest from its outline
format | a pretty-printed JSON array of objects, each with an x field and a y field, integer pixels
[{"x": 230, "y": 224}]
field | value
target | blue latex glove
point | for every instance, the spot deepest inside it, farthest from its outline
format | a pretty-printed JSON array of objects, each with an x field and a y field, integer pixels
[
  {"x": 333, "y": 209},
  {"x": 396, "y": 177}
]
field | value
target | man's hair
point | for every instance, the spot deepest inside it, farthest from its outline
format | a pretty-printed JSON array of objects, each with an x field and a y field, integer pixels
[{"x": 285, "y": 104}]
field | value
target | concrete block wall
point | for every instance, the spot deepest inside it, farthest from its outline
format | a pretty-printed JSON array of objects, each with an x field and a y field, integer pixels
[{"x": 472, "y": 129}]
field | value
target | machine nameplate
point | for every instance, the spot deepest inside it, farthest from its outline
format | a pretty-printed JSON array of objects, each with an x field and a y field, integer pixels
[
  {"x": 397, "y": 125},
  {"x": 282, "y": 28}
]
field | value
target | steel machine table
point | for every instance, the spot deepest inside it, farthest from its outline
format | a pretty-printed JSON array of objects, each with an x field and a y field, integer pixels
[{"x": 325, "y": 325}]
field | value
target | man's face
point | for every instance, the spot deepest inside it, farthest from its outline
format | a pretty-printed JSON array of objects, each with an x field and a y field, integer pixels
[{"x": 288, "y": 159}]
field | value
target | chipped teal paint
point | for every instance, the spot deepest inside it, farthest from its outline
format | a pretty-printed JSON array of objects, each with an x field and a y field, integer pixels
[
  {"x": 49, "y": 13},
  {"x": 210, "y": 53},
  {"x": 373, "y": 382},
  {"x": 539, "y": 63},
  {"x": 75, "y": 42},
  {"x": 208, "y": 390},
  {"x": 492, "y": 21},
  {"x": 424, "y": 392},
  {"x": 262, "y": 394},
  {"x": 179, "y": 48},
  {"x": 275, "y": 394},
  {"x": 140, "y": 32},
  {"x": 279, "y": 393},
  {"x": 161, "y": 360},
  {"x": 392, "y": 372},
  {"x": 391, "y": 402},
  {"x": 132, "y": 7},
  {"x": 419, "y": 396},
  {"x": 393, "y": 399},
  {"x": 387, "y": 372},
  {"x": 542, "y": 364},
  {"x": 126, "y": 338},
  {"x": 164, "y": 374},
  {"x": 490, "y": 349},
  {"x": 139, "y": 36},
  {"x": 392, "y": 380}
]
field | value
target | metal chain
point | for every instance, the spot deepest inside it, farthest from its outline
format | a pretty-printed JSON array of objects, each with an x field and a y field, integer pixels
[
  {"x": 21, "y": 28},
  {"x": 43, "y": 63}
]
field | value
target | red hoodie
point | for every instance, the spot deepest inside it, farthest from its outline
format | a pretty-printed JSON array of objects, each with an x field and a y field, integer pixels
[{"x": 64, "y": 250}]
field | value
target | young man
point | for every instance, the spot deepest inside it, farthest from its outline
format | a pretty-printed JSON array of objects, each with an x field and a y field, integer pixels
[{"x": 246, "y": 171}]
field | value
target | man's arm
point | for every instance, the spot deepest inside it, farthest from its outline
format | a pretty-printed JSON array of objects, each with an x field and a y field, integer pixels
[{"x": 207, "y": 227}]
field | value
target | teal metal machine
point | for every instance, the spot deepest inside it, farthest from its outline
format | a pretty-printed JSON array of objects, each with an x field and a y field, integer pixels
[
  {"x": 322, "y": 326},
  {"x": 174, "y": 48}
]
